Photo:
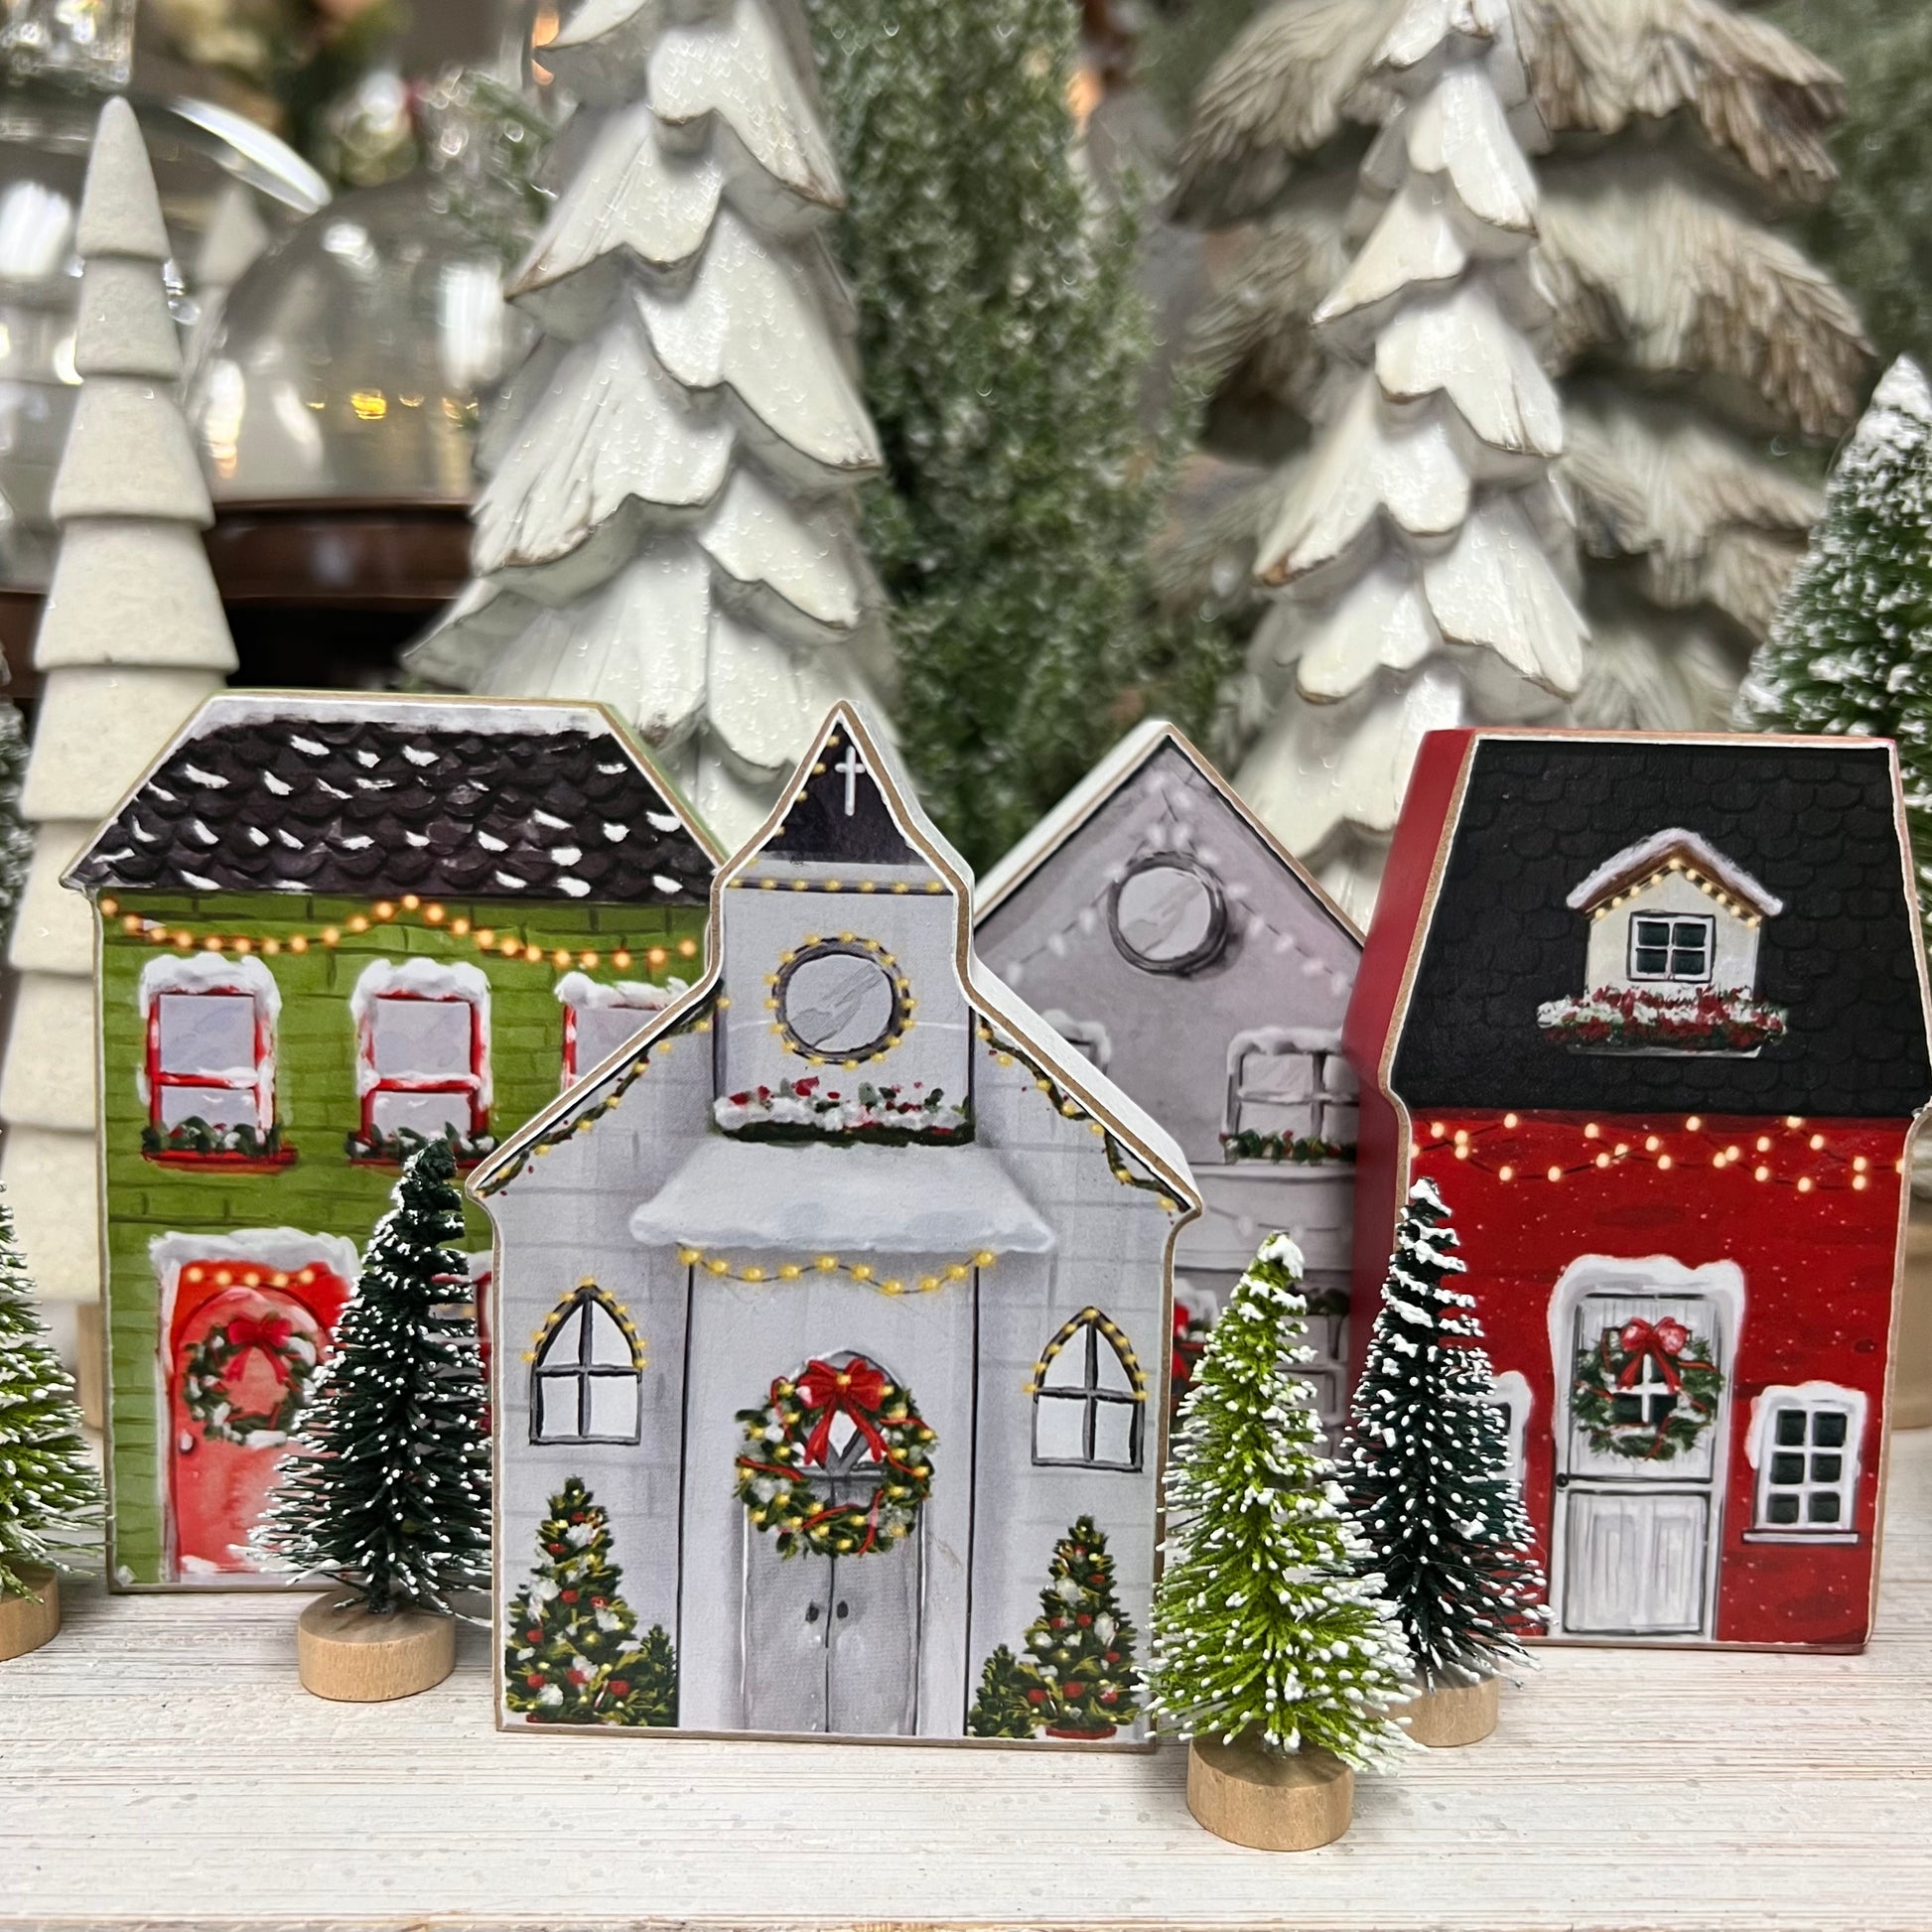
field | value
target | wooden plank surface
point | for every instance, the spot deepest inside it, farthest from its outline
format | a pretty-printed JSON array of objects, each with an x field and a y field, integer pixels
[{"x": 159, "y": 1766}]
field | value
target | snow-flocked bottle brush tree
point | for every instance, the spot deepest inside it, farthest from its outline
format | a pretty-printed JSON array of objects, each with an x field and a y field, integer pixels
[
  {"x": 1851, "y": 647},
  {"x": 387, "y": 1491},
  {"x": 50, "y": 1496},
  {"x": 666, "y": 520},
  {"x": 1426, "y": 1467},
  {"x": 1267, "y": 1625}
]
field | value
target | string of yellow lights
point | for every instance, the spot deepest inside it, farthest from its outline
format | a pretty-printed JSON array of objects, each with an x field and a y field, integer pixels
[
  {"x": 721, "y": 1267},
  {"x": 407, "y": 910}
]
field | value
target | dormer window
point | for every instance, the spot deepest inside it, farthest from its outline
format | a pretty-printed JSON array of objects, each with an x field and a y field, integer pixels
[
  {"x": 1665, "y": 946},
  {"x": 1672, "y": 954}
]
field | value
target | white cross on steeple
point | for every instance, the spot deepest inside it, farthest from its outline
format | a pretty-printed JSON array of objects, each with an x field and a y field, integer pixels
[{"x": 848, "y": 767}]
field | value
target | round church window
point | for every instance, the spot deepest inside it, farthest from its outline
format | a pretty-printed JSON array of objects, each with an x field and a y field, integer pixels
[
  {"x": 841, "y": 1001},
  {"x": 1169, "y": 914}
]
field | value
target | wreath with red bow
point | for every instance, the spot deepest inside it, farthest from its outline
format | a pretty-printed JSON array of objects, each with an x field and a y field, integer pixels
[
  {"x": 784, "y": 1472},
  {"x": 224, "y": 1353},
  {"x": 1610, "y": 1372}
]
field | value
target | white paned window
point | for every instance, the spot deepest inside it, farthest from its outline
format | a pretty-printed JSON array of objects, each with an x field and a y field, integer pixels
[
  {"x": 211, "y": 1044},
  {"x": 423, "y": 1050},
  {"x": 588, "y": 1383},
  {"x": 1088, "y": 1397},
  {"x": 1807, "y": 1454},
  {"x": 1671, "y": 946},
  {"x": 600, "y": 1019}
]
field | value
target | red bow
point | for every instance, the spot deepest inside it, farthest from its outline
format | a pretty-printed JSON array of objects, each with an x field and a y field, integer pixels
[
  {"x": 1662, "y": 1343},
  {"x": 270, "y": 1333},
  {"x": 856, "y": 1390}
]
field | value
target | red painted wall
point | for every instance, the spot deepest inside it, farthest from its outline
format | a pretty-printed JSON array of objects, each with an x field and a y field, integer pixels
[{"x": 1816, "y": 1240}]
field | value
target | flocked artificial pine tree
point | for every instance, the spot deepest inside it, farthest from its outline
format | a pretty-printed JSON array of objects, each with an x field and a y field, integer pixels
[
  {"x": 1851, "y": 649},
  {"x": 1426, "y": 1467},
  {"x": 1264, "y": 1626},
  {"x": 388, "y": 1487},
  {"x": 1420, "y": 547},
  {"x": 47, "y": 1487},
  {"x": 131, "y": 639},
  {"x": 570, "y": 1651},
  {"x": 1685, "y": 327},
  {"x": 1004, "y": 345},
  {"x": 665, "y": 520}
]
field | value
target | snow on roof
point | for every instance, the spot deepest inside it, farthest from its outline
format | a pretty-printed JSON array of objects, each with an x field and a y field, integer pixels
[{"x": 1648, "y": 854}]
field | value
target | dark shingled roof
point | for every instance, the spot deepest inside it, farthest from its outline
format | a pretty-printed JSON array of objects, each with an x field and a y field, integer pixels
[
  {"x": 1814, "y": 823},
  {"x": 377, "y": 797}
]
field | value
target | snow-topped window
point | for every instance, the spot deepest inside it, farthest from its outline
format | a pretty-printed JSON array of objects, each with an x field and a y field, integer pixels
[
  {"x": 1671, "y": 947},
  {"x": 208, "y": 1076},
  {"x": 1290, "y": 1096},
  {"x": 1088, "y": 1397},
  {"x": 1804, "y": 1442},
  {"x": 587, "y": 1385},
  {"x": 422, "y": 1061},
  {"x": 600, "y": 1019}
]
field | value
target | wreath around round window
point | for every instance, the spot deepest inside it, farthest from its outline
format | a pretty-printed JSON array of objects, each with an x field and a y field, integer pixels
[
  {"x": 784, "y": 1472},
  {"x": 224, "y": 1351}
]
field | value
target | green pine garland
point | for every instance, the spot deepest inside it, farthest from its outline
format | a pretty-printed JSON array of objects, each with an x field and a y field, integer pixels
[
  {"x": 50, "y": 1496},
  {"x": 1004, "y": 343},
  {"x": 389, "y": 1490},
  {"x": 568, "y": 1654},
  {"x": 1264, "y": 1626},
  {"x": 1851, "y": 649},
  {"x": 1426, "y": 1466}
]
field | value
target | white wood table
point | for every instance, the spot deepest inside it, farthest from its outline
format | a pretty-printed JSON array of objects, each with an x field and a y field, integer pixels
[{"x": 159, "y": 1766}]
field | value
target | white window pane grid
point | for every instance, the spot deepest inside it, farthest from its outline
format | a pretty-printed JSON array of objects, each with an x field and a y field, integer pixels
[
  {"x": 425, "y": 1039},
  {"x": 1086, "y": 1411},
  {"x": 1811, "y": 1471},
  {"x": 585, "y": 1386},
  {"x": 427, "y": 1114},
  {"x": 218, "y": 1106},
  {"x": 1665, "y": 946},
  {"x": 601, "y": 1031}
]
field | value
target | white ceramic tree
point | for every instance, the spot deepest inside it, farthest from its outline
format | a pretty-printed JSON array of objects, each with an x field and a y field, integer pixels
[
  {"x": 1421, "y": 548},
  {"x": 131, "y": 639},
  {"x": 665, "y": 521}
]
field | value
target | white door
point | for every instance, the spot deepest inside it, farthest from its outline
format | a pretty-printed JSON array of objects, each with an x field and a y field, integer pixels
[
  {"x": 832, "y": 1643},
  {"x": 1636, "y": 1536}
]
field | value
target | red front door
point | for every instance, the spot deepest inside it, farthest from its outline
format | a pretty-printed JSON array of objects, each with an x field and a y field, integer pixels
[{"x": 244, "y": 1343}]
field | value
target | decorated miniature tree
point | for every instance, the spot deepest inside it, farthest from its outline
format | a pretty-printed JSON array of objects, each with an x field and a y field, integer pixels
[
  {"x": 666, "y": 520},
  {"x": 1851, "y": 649},
  {"x": 131, "y": 639},
  {"x": 49, "y": 1492},
  {"x": 388, "y": 1491},
  {"x": 1420, "y": 547},
  {"x": 571, "y": 1655},
  {"x": 1268, "y": 1634},
  {"x": 1005, "y": 343},
  {"x": 1080, "y": 1647},
  {"x": 1426, "y": 1471},
  {"x": 1002, "y": 1709}
]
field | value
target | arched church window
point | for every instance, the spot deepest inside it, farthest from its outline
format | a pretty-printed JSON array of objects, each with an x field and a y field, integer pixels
[
  {"x": 1089, "y": 1397},
  {"x": 588, "y": 1380}
]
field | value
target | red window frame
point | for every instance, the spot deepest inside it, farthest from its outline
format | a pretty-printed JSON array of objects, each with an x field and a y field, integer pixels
[
  {"x": 262, "y": 1085},
  {"x": 470, "y": 1084}
]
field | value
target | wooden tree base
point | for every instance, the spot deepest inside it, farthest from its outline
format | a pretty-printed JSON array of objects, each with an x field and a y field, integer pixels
[
  {"x": 1253, "y": 1797},
  {"x": 1454, "y": 1714},
  {"x": 352, "y": 1657},
  {"x": 27, "y": 1622}
]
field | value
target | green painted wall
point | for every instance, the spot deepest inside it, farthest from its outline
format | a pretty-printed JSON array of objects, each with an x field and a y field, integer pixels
[{"x": 316, "y": 1099}]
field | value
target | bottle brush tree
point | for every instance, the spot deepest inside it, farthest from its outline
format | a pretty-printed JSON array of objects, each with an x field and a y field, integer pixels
[
  {"x": 388, "y": 1490},
  {"x": 49, "y": 1492},
  {"x": 571, "y": 1651},
  {"x": 1851, "y": 647},
  {"x": 1426, "y": 1467},
  {"x": 1265, "y": 1625}
]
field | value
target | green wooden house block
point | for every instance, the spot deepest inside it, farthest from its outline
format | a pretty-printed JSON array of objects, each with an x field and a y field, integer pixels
[{"x": 333, "y": 926}]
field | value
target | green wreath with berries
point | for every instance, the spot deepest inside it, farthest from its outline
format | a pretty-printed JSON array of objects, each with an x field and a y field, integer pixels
[
  {"x": 222, "y": 1352},
  {"x": 785, "y": 1474},
  {"x": 1611, "y": 1371}
]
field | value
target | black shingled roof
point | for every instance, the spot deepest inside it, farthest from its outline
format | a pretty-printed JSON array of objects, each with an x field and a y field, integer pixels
[
  {"x": 1815, "y": 824},
  {"x": 370, "y": 799}
]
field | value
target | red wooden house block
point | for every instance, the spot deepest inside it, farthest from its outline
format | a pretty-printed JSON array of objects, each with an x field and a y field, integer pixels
[{"x": 1652, "y": 1015}]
